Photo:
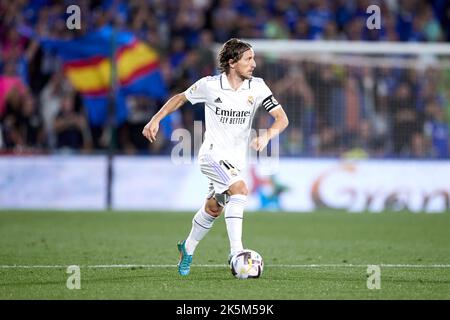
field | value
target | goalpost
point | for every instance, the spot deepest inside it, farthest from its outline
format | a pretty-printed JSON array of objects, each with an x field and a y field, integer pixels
[{"x": 359, "y": 99}]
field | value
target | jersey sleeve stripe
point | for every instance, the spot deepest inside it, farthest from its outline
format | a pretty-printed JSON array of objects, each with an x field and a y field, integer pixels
[{"x": 271, "y": 108}]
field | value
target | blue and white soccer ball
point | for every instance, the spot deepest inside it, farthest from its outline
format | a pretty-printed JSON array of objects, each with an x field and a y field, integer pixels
[{"x": 247, "y": 264}]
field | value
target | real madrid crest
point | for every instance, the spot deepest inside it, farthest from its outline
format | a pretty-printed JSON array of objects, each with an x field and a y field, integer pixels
[{"x": 250, "y": 100}]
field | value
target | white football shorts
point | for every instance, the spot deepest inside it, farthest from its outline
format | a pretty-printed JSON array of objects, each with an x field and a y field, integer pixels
[{"x": 221, "y": 174}]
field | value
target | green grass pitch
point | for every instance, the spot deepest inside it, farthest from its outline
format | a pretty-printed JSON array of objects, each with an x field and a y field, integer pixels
[{"x": 321, "y": 255}]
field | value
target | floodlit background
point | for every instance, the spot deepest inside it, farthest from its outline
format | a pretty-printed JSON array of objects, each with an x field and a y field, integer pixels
[{"x": 71, "y": 121}]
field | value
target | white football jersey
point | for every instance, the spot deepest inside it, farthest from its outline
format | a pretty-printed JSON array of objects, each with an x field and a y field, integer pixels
[{"x": 229, "y": 115}]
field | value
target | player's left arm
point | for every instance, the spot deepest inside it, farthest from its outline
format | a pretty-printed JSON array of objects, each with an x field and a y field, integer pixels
[{"x": 278, "y": 126}]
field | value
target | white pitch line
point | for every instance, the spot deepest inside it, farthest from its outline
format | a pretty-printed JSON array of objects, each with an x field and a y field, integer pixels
[
  {"x": 361, "y": 265},
  {"x": 106, "y": 266}
]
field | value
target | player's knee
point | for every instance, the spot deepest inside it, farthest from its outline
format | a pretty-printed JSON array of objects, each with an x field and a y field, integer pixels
[
  {"x": 238, "y": 187},
  {"x": 213, "y": 209}
]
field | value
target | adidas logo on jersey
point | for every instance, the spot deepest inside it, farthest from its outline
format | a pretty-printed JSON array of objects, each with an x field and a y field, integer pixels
[{"x": 218, "y": 100}]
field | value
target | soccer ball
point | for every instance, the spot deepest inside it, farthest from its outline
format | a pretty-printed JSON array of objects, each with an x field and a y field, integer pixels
[{"x": 247, "y": 264}]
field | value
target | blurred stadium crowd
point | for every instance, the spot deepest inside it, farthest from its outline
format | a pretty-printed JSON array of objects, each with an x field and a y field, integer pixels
[{"x": 407, "y": 116}]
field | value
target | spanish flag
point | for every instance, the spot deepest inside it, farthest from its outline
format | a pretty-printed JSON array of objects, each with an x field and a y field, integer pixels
[{"x": 87, "y": 64}]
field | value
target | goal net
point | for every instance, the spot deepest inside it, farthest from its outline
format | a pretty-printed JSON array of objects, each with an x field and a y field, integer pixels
[{"x": 358, "y": 99}]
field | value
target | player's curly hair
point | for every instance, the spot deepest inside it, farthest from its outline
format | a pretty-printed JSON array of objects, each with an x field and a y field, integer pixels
[{"x": 232, "y": 49}]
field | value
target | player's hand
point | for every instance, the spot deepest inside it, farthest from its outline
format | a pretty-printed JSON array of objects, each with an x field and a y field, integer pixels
[
  {"x": 151, "y": 129},
  {"x": 259, "y": 143}
]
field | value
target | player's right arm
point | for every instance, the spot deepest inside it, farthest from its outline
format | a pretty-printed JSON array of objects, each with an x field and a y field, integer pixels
[
  {"x": 151, "y": 128},
  {"x": 195, "y": 94}
]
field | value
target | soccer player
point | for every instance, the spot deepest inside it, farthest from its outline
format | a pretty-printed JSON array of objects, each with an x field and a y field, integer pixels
[{"x": 231, "y": 100}]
